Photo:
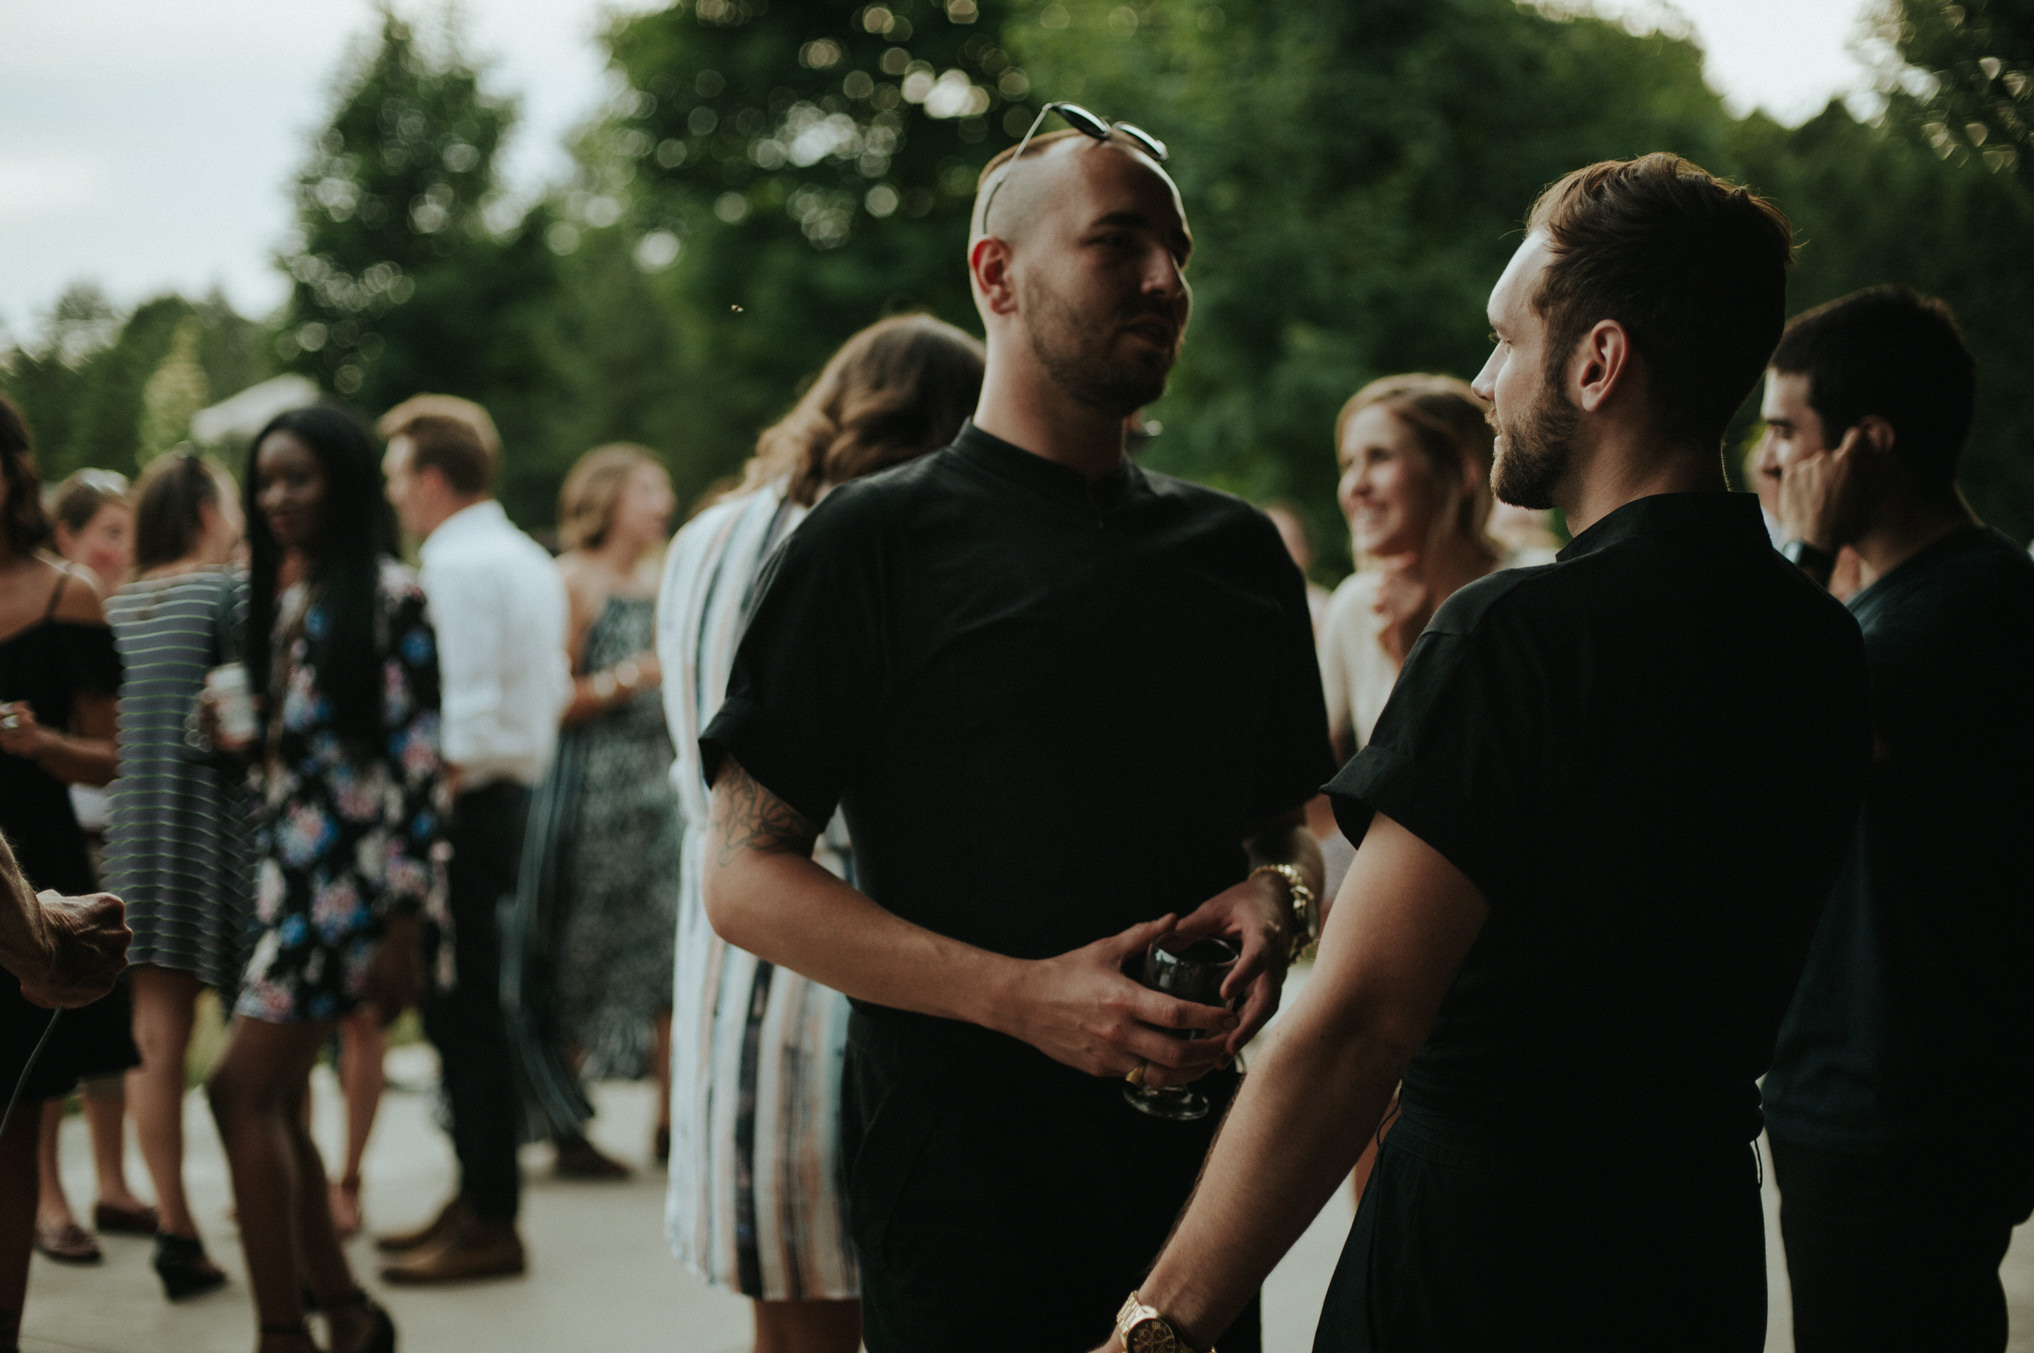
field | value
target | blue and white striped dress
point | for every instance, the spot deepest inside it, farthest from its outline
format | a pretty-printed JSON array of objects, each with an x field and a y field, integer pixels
[{"x": 756, "y": 1201}]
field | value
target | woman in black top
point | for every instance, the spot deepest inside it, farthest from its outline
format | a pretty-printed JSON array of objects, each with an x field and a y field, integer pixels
[{"x": 59, "y": 677}]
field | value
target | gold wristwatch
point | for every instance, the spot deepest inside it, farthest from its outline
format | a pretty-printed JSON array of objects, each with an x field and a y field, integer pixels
[
  {"x": 1145, "y": 1330},
  {"x": 1306, "y": 917}
]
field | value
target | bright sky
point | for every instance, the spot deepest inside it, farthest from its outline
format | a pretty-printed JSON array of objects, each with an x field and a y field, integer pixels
[{"x": 149, "y": 145}]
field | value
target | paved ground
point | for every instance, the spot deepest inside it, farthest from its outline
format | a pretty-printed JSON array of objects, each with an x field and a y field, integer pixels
[{"x": 601, "y": 1278}]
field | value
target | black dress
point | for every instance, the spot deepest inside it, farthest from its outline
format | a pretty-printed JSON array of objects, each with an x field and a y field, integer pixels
[{"x": 48, "y": 665}]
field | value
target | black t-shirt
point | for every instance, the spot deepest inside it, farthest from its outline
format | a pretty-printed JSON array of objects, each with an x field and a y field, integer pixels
[
  {"x": 1915, "y": 1016},
  {"x": 1647, "y": 755},
  {"x": 1050, "y": 709}
]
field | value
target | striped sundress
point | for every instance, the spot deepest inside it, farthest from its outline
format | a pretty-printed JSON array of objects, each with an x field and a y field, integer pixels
[
  {"x": 179, "y": 837},
  {"x": 756, "y": 1201}
]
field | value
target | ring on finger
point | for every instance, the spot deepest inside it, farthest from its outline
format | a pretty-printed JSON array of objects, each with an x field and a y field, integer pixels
[{"x": 1136, "y": 1076}]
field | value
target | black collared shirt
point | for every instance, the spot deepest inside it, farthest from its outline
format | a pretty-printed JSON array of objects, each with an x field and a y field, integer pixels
[
  {"x": 1915, "y": 1017},
  {"x": 1647, "y": 756},
  {"x": 1050, "y": 709}
]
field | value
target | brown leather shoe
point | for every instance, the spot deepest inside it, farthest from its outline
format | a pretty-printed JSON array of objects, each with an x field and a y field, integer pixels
[
  {"x": 67, "y": 1242},
  {"x": 437, "y": 1229},
  {"x": 477, "y": 1249}
]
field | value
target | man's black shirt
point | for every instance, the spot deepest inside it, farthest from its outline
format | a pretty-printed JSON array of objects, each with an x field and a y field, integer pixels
[
  {"x": 1647, "y": 756},
  {"x": 1915, "y": 1016},
  {"x": 1050, "y": 709}
]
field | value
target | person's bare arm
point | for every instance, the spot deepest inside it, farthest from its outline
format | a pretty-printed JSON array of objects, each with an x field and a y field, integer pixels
[
  {"x": 1401, "y": 927},
  {"x": 765, "y": 894},
  {"x": 63, "y": 950}
]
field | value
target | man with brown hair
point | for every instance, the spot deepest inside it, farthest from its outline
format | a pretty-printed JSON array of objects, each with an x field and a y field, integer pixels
[
  {"x": 1595, "y": 827},
  {"x": 1064, "y": 703},
  {"x": 499, "y": 610}
]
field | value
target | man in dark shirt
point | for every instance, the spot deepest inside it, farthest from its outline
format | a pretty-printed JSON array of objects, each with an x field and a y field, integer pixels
[
  {"x": 1062, "y": 702},
  {"x": 1901, "y": 1099},
  {"x": 1597, "y": 821}
]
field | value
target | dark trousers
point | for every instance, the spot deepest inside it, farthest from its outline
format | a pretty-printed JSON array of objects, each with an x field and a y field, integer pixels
[
  {"x": 1900, "y": 1250},
  {"x": 1472, "y": 1246},
  {"x": 486, "y": 835},
  {"x": 999, "y": 1201}
]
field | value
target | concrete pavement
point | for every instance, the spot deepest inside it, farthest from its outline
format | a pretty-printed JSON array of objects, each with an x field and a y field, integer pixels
[{"x": 600, "y": 1274}]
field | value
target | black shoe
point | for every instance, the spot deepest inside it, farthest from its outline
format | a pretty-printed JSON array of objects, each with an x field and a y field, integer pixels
[
  {"x": 185, "y": 1269},
  {"x": 382, "y": 1339}
]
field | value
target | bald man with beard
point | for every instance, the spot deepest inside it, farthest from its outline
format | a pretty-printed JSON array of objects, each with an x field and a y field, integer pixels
[{"x": 1070, "y": 709}]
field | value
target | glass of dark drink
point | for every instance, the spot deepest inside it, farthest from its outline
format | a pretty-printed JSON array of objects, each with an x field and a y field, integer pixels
[{"x": 1195, "y": 972}]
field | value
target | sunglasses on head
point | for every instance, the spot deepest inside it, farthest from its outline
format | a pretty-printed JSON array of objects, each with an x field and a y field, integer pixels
[{"x": 1085, "y": 122}]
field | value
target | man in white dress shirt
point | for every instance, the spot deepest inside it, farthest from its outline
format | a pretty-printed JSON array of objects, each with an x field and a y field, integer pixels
[{"x": 499, "y": 609}]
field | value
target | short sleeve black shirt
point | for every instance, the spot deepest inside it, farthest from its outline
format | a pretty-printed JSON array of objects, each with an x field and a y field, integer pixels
[
  {"x": 1915, "y": 1017},
  {"x": 1049, "y": 709},
  {"x": 1647, "y": 755}
]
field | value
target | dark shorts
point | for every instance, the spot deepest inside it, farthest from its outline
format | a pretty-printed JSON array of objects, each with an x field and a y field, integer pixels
[
  {"x": 1900, "y": 1250},
  {"x": 92, "y": 1040},
  {"x": 999, "y": 1201},
  {"x": 1461, "y": 1245}
]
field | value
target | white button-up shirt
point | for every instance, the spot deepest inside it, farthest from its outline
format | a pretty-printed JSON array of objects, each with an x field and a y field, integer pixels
[{"x": 499, "y": 608}]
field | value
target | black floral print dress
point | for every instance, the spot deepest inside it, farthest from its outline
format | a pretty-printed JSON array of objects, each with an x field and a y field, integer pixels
[{"x": 344, "y": 840}]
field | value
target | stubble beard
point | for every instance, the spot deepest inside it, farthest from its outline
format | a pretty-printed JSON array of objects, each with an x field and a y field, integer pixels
[
  {"x": 1078, "y": 354},
  {"x": 1536, "y": 449}
]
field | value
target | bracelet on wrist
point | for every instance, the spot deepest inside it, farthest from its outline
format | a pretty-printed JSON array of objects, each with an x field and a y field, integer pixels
[{"x": 1305, "y": 910}]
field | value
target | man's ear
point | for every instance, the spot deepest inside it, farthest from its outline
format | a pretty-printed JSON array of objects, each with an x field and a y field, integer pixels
[
  {"x": 989, "y": 269},
  {"x": 1601, "y": 364},
  {"x": 1873, "y": 435}
]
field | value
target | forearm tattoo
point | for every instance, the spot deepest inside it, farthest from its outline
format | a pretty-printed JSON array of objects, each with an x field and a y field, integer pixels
[{"x": 746, "y": 816}]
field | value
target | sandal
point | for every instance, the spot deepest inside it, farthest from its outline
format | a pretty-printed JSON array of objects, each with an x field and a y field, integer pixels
[{"x": 67, "y": 1243}]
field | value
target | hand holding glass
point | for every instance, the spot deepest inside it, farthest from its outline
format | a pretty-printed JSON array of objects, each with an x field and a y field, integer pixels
[{"x": 1194, "y": 973}]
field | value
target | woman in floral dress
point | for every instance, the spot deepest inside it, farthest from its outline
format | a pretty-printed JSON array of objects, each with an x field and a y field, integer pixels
[{"x": 348, "y": 771}]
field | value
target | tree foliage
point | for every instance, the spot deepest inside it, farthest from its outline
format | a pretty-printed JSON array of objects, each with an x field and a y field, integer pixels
[
  {"x": 84, "y": 383},
  {"x": 812, "y": 165},
  {"x": 772, "y": 176},
  {"x": 1976, "y": 60}
]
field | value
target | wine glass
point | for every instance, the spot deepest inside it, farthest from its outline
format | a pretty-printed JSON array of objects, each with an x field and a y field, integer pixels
[{"x": 1193, "y": 973}]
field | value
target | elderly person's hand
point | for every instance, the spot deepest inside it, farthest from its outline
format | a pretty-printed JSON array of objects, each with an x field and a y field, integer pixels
[{"x": 84, "y": 948}]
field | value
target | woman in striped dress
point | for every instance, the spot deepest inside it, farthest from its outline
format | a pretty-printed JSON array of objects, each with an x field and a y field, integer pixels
[
  {"x": 755, "y": 1202},
  {"x": 178, "y": 847}
]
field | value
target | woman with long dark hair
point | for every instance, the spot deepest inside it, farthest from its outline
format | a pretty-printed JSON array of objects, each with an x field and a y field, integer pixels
[{"x": 342, "y": 665}]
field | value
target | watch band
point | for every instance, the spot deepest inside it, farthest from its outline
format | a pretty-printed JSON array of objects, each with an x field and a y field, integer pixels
[
  {"x": 1812, "y": 560},
  {"x": 1145, "y": 1329},
  {"x": 1305, "y": 914}
]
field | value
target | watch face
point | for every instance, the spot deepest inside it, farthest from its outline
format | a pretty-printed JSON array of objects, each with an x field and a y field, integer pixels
[{"x": 1150, "y": 1336}]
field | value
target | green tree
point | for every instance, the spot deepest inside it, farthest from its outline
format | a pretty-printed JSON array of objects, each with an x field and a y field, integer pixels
[
  {"x": 83, "y": 381},
  {"x": 176, "y": 390},
  {"x": 812, "y": 166},
  {"x": 1975, "y": 63},
  {"x": 398, "y": 281}
]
